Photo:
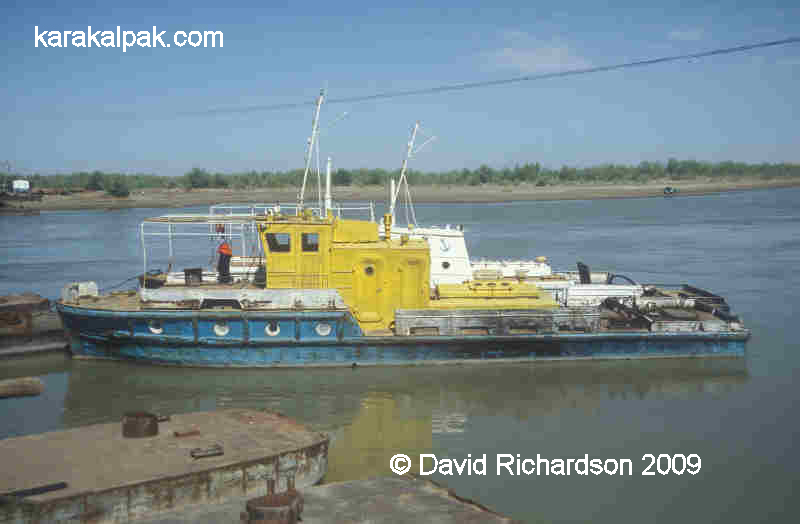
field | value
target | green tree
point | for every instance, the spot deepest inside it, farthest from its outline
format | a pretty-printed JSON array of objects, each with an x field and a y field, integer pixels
[
  {"x": 484, "y": 174},
  {"x": 342, "y": 177},
  {"x": 197, "y": 178},
  {"x": 220, "y": 180},
  {"x": 96, "y": 181},
  {"x": 117, "y": 186}
]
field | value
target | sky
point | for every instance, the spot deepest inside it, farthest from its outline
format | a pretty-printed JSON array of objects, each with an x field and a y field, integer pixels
[{"x": 166, "y": 110}]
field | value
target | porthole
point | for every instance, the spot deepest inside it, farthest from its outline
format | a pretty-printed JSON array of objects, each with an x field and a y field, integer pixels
[
  {"x": 323, "y": 329},
  {"x": 221, "y": 328},
  {"x": 369, "y": 271},
  {"x": 446, "y": 265},
  {"x": 272, "y": 329},
  {"x": 156, "y": 327}
]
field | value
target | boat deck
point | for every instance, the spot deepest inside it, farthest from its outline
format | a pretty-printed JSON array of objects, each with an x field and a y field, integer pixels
[
  {"x": 131, "y": 300},
  {"x": 564, "y": 320}
]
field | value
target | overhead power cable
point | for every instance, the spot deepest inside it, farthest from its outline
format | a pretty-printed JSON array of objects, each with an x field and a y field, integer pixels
[{"x": 504, "y": 81}]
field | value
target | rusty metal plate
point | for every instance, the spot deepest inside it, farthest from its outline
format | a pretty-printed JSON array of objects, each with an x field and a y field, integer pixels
[{"x": 139, "y": 425}]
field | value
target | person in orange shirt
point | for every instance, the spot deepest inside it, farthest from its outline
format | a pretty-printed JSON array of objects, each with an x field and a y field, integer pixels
[{"x": 224, "y": 264}]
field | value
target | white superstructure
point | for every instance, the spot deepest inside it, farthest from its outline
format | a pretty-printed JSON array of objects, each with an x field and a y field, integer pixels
[
  {"x": 449, "y": 257},
  {"x": 450, "y": 262}
]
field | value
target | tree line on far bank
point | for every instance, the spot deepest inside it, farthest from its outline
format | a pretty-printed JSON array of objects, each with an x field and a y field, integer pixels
[{"x": 120, "y": 185}]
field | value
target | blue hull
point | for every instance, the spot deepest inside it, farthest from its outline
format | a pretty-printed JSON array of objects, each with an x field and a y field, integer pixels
[{"x": 286, "y": 338}]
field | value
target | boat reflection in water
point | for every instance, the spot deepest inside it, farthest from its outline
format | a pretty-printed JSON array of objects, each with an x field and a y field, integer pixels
[{"x": 372, "y": 413}]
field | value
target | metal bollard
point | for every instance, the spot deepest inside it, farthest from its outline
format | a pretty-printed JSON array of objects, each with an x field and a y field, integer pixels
[
  {"x": 139, "y": 424},
  {"x": 283, "y": 508}
]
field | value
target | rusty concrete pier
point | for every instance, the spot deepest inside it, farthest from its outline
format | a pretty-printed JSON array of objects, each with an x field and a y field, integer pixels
[
  {"x": 387, "y": 500},
  {"x": 110, "y": 478},
  {"x": 28, "y": 326}
]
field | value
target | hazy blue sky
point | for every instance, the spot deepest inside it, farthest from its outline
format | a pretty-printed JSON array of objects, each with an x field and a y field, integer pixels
[{"x": 73, "y": 108}]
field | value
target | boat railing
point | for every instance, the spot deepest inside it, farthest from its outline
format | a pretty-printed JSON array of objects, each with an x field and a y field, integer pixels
[
  {"x": 240, "y": 232},
  {"x": 256, "y": 209},
  {"x": 370, "y": 207},
  {"x": 286, "y": 209}
]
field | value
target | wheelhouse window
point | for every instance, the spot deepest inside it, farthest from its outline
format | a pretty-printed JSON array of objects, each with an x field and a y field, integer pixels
[
  {"x": 279, "y": 242},
  {"x": 310, "y": 242}
]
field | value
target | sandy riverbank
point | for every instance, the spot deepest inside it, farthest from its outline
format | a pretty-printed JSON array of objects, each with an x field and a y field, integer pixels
[{"x": 172, "y": 198}]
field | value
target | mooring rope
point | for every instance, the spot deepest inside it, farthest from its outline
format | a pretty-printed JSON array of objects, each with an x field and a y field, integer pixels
[{"x": 118, "y": 285}]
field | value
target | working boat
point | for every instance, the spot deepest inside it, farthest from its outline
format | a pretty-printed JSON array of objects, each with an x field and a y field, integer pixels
[
  {"x": 337, "y": 293},
  {"x": 329, "y": 290}
]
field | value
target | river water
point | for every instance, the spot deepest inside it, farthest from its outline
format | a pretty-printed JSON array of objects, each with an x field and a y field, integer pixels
[{"x": 739, "y": 416}]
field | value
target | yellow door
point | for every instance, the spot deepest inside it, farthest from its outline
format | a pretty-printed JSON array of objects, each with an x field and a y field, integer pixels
[
  {"x": 368, "y": 280},
  {"x": 412, "y": 284},
  {"x": 312, "y": 256},
  {"x": 281, "y": 246}
]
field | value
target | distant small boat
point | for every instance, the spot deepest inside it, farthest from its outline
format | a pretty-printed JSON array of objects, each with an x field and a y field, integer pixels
[{"x": 670, "y": 191}]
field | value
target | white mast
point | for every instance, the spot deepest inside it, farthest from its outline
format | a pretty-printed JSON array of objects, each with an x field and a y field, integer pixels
[
  {"x": 319, "y": 181},
  {"x": 403, "y": 181},
  {"x": 328, "y": 203},
  {"x": 391, "y": 198},
  {"x": 402, "y": 178},
  {"x": 310, "y": 152}
]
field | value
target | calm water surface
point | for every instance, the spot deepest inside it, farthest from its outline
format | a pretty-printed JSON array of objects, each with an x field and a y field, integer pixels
[{"x": 740, "y": 416}]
